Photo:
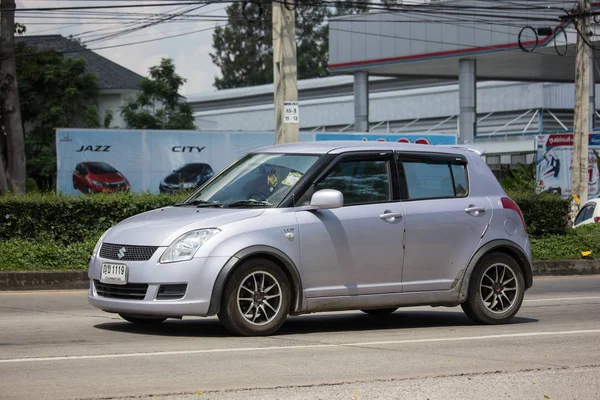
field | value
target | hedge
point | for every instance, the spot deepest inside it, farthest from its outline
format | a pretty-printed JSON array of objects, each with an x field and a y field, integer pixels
[
  {"x": 27, "y": 255},
  {"x": 67, "y": 220},
  {"x": 544, "y": 213}
]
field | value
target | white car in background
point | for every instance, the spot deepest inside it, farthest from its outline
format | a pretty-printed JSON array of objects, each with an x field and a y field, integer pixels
[{"x": 588, "y": 214}]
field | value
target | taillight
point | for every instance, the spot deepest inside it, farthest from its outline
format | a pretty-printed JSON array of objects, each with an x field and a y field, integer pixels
[
  {"x": 596, "y": 219},
  {"x": 509, "y": 204}
]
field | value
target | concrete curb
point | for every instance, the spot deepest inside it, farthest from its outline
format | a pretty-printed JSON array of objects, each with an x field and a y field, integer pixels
[
  {"x": 44, "y": 280},
  {"x": 53, "y": 280}
]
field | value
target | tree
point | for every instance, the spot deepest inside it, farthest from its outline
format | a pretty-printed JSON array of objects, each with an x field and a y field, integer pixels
[
  {"x": 243, "y": 50},
  {"x": 159, "y": 105},
  {"x": 55, "y": 91},
  {"x": 13, "y": 170}
]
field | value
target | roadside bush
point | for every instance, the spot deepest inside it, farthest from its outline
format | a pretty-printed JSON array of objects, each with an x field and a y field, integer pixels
[
  {"x": 544, "y": 213},
  {"x": 26, "y": 255},
  {"x": 568, "y": 246},
  {"x": 67, "y": 220}
]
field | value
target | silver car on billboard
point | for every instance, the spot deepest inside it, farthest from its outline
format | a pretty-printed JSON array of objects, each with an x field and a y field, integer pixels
[{"x": 324, "y": 226}]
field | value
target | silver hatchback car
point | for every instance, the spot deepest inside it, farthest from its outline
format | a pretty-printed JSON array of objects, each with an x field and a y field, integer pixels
[{"x": 322, "y": 226}]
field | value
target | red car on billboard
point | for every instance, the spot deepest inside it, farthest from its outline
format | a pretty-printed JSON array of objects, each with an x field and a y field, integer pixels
[{"x": 96, "y": 177}]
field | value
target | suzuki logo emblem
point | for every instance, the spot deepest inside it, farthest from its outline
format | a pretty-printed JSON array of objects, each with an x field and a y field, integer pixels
[{"x": 122, "y": 252}]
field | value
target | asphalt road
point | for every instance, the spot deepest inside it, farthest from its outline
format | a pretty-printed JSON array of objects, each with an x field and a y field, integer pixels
[{"x": 54, "y": 345}]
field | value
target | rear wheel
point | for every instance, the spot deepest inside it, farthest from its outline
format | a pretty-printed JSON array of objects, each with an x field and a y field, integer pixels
[
  {"x": 381, "y": 312},
  {"x": 143, "y": 320},
  {"x": 256, "y": 300},
  {"x": 496, "y": 290}
]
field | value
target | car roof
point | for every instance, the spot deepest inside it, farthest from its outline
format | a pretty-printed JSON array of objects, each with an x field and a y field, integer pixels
[{"x": 342, "y": 146}]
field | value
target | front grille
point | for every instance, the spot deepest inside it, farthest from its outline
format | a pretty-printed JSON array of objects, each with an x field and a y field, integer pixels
[
  {"x": 171, "y": 292},
  {"x": 130, "y": 291},
  {"x": 115, "y": 185},
  {"x": 128, "y": 253}
]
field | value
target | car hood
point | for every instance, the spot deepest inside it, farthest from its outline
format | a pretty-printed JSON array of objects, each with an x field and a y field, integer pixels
[
  {"x": 107, "y": 178},
  {"x": 177, "y": 177},
  {"x": 162, "y": 226}
]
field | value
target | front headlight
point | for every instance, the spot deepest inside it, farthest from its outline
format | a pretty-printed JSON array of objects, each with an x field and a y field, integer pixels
[
  {"x": 98, "y": 183},
  {"x": 99, "y": 244},
  {"x": 187, "y": 185},
  {"x": 185, "y": 247}
]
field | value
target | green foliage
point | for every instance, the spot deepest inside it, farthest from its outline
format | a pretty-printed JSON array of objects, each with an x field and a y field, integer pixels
[
  {"x": 31, "y": 186},
  {"x": 91, "y": 118},
  {"x": 55, "y": 91},
  {"x": 544, "y": 213},
  {"x": 568, "y": 246},
  {"x": 67, "y": 220},
  {"x": 28, "y": 255},
  {"x": 520, "y": 180},
  {"x": 243, "y": 49},
  {"x": 159, "y": 105}
]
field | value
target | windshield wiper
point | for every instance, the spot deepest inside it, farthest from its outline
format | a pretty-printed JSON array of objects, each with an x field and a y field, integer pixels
[
  {"x": 249, "y": 203},
  {"x": 198, "y": 203}
]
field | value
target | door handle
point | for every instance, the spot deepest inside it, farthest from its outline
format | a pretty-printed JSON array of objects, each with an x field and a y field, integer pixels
[
  {"x": 390, "y": 216},
  {"x": 472, "y": 209}
]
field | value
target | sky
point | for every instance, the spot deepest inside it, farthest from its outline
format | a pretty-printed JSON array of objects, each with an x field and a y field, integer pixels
[{"x": 190, "y": 53}]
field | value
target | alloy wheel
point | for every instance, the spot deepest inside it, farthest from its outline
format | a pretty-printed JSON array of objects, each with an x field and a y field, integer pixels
[
  {"x": 499, "y": 288},
  {"x": 259, "y": 298}
]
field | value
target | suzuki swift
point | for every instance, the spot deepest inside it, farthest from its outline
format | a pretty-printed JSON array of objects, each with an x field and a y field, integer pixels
[{"x": 322, "y": 226}]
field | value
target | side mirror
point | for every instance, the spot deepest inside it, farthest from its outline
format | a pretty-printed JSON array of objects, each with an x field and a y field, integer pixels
[{"x": 327, "y": 199}]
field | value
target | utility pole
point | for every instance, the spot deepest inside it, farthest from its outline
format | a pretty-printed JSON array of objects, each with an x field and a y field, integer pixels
[
  {"x": 15, "y": 172},
  {"x": 582, "y": 105},
  {"x": 285, "y": 77}
]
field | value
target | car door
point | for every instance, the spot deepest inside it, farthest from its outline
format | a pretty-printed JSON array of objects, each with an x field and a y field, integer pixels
[
  {"x": 355, "y": 249},
  {"x": 444, "y": 221}
]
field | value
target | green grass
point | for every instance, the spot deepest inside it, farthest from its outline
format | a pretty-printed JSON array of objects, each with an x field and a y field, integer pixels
[{"x": 568, "y": 246}]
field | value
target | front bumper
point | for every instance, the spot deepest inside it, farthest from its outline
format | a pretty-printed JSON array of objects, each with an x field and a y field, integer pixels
[{"x": 199, "y": 274}]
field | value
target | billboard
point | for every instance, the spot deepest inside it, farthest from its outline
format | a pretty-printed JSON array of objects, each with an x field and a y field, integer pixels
[
  {"x": 111, "y": 160},
  {"x": 554, "y": 164}
]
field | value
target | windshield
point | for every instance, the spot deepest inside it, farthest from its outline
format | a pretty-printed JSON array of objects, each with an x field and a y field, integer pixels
[
  {"x": 100, "y": 168},
  {"x": 257, "y": 179}
]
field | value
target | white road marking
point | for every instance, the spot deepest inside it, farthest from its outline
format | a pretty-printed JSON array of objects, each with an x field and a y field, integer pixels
[
  {"x": 299, "y": 347},
  {"x": 562, "y": 299}
]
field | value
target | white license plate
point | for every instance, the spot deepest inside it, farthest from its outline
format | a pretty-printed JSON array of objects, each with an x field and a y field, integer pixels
[{"x": 114, "y": 273}]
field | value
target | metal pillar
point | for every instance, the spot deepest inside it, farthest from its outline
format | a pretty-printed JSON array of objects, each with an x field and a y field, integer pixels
[
  {"x": 361, "y": 101},
  {"x": 467, "y": 89},
  {"x": 592, "y": 110}
]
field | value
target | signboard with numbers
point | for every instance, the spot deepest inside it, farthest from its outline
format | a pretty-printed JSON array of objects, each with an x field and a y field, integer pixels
[{"x": 291, "y": 115}]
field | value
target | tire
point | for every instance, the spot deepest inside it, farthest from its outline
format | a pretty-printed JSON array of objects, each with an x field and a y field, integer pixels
[
  {"x": 381, "y": 312},
  {"x": 496, "y": 290},
  {"x": 237, "y": 316},
  {"x": 143, "y": 320}
]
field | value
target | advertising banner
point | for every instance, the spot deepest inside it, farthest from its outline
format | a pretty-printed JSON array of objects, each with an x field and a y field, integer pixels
[
  {"x": 110, "y": 160},
  {"x": 554, "y": 159}
]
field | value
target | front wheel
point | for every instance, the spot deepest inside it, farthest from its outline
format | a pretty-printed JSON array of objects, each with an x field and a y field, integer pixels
[
  {"x": 256, "y": 300},
  {"x": 143, "y": 320},
  {"x": 496, "y": 290}
]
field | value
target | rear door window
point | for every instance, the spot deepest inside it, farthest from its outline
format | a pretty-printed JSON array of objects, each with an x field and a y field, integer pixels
[{"x": 435, "y": 180}]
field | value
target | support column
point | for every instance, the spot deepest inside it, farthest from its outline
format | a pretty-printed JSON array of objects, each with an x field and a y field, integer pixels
[
  {"x": 361, "y": 101},
  {"x": 592, "y": 109},
  {"x": 467, "y": 89}
]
